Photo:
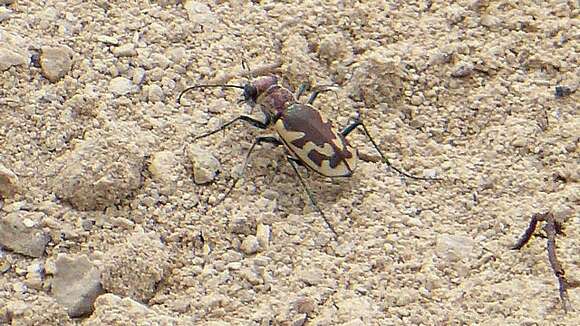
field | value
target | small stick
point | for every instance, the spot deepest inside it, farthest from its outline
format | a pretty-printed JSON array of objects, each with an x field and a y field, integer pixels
[
  {"x": 552, "y": 228},
  {"x": 523, "y": 240}
]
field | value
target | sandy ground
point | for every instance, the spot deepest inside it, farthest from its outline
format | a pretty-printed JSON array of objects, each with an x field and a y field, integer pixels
[{"x": 97, "y": 163}]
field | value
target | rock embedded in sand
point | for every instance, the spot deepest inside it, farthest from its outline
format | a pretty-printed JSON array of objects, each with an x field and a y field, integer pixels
[
  {"x": 5, "y": 13},
  {"x": 155, "y": 93},
  {"x": 8, "y": 182},
  {"x": 20, "y": 232},
  {"x": 35, "y": 275},
  {"x": 125, "y": 50},
  {"x": 311, "y": 276},
  {"x": 250, "y": 245},
  {"x": 120, "y": 86},
  {"x": 114, "y": 310},
  {"x": 164, "y": 169},
  {"x": 134, "y": 268},
  {"x": 9, "y": 58},
  {"x": 76, "y": 284},
  {"x": 462, "y": 69},
  {"x": 101, "y": 170},
  {"x": 200, "y": 14},
  {"x": 454, "y": 247},
  {"x": 241, "y": 224},
  {"x": 305, "y": 305},
  {"x": 107, "y": 39},
  {"x": 263, "y": 234},
  {"x": 13, "y": 51},
  {"x": 333, "y": 47},
  {"x": 44, "y": 310},
  {"x": 137, "y": 75},
  {"x": 55, "y": 62},
  {"x": 205, "y": 165},
  {"x": 380, "y": 77}
]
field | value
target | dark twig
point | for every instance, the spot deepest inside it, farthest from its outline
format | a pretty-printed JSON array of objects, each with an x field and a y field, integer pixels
[
  {"x": 523, "y": 240},
  {"x": 552, "y": 228}
]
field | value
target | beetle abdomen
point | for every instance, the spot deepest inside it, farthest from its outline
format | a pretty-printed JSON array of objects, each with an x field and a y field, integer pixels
[{"x": 310, "y": 138}]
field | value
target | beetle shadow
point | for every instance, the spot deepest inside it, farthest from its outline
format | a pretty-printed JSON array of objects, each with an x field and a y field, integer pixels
[{"x": 324, "y": 189}]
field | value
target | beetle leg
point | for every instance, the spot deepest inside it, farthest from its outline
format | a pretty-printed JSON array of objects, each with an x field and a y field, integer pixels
[
  {"x": 245, "y": 65},
  {"x": 245, "y": 118},
  {"x": 313, "y": 96},
  {"x": 358, "y": 122},
  {"x": 292, "y": 162},
  {"x": 348, "y": 129},
  {"x": 295, "y": 160},
  {"x": 258, "y": 140},
  {"x": 298, "y": 162},
  {"x": 303, "y": 87},
  {"x": 318, "y": 90}
]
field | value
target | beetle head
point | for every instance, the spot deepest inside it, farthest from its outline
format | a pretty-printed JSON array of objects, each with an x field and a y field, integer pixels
[{"x": 250, "y": 94}]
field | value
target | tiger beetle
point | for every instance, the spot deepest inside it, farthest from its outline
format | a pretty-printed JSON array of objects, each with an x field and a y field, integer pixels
[{"x": 309, "y": 138}]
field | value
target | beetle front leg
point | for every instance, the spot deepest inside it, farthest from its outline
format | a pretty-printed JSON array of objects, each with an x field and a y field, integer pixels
[
  {"x": 303, "y": 87},
  {"x": 348, "y": 129},
  {"x": 254, "y": 122}
]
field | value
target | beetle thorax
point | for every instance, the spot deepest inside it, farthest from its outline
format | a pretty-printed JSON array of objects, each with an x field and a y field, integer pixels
[
  {"x": 262, "y": 84},
  {"x": 275, "y": 100}
]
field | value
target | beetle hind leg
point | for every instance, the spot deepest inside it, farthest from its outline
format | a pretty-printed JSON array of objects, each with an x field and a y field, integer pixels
[
  {"x": 293, "y": 163},
  {"x": 359, "y": 123}
]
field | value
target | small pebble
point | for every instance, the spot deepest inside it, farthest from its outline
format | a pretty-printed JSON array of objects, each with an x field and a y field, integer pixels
[
  {"x": 120, "y": 86},
  {"x": 125, "y": 50},
  {"x": 205, "y": 165},
  {"x": 16, "y": 235},
  {"x": 155, "y": 93},
  {"x": 8, "y": 182},
  {"x": 250, "y": 245},
  {"x": 108, "y": 39},
  {"x": 76, "y": 284},
  {"x": 55, "y": 62},
  {"x": 263, "y": 233},
  {"x": 462, "y": 69}
]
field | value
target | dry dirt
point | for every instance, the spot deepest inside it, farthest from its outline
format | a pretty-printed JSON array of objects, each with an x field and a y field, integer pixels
[{"x": 97, "y": 161}]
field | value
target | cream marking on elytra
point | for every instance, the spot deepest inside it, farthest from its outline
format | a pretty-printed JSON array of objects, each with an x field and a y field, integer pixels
[
  {"x": 352, "y": 161},
  {"x": 341, "y": 170},
  {"x": 326, "y": 150},
  {"x": 338, "y": 143}
]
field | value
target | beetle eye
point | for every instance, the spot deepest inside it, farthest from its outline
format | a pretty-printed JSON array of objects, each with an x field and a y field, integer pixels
[{"x": 250, "y": 93}]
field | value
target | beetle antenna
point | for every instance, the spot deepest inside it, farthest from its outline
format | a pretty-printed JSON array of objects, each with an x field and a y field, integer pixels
[
  {"x": 249, "y": 76},
  {"x": 246, "y": 66},
  {"x": 205, "y": 86}
]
